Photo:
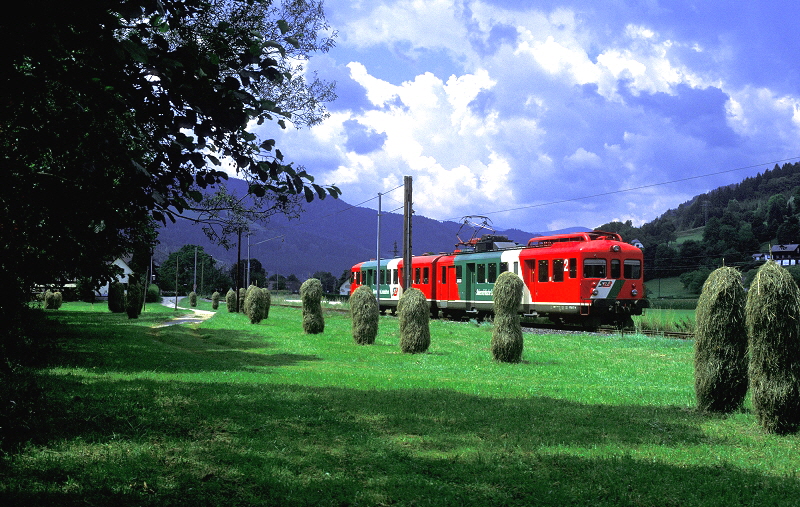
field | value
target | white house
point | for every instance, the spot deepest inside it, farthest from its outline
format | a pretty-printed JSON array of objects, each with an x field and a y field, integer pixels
[{"x": 123, "y": 278}]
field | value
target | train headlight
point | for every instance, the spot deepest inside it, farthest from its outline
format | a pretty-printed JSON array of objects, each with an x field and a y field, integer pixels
[
  {"x": 615, "y": 248},
  {"x": 595, "y": 292},
  {"x": 634, "y": 293}
]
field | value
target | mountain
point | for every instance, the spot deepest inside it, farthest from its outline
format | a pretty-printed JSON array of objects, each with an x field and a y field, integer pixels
[{"x": 331, "y": 235}]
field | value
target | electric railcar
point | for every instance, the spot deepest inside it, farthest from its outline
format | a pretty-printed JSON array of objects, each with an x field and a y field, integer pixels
[{"x": 589, "y": 278}]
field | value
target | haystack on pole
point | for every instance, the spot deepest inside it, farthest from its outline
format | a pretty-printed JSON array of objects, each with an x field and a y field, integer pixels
[
  {"x": 720, "y": 347},
  {"x": 311, "y": 296},
  {"x": 365, "y": 315},
  {"x": 230, "y": 300},
  {"x": 772, "y": 314},
  {"x": 267, "y": 302},
  {"x": 255, "y": 303},
  {"x": 215, "y": 300},
  {"x": 414, "y": 315},
  {"x": 507, "y": 341}
]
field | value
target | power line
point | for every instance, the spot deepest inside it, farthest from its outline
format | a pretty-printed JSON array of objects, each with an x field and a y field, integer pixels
[{"x": 688, "y": 178}]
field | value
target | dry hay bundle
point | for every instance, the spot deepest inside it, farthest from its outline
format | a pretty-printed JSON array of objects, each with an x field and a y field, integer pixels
[
  {"x": 193, "y": 299},
  {"x": 507, "y": 341},
  {"x": 242, "y": 296},
  {"x": 311, "y": 295},
  {"x": 255, "y": 304},
  {"x": 773, "y": 322},
  {"x": 268, "y": 301},
  {"x": 230, "y": 300},
  {"x": 414, "y": 314},
  {"x": 365, "y": 314},
  {"x": 215, "y": 300},
  {"x": 720, "y": 348}
]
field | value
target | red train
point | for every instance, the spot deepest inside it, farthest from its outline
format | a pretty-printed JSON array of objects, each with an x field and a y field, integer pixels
[{"x": 588, "y": 278}]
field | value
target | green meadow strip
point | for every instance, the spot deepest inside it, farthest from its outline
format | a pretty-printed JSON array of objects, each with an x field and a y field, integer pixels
[{"x": 230, "y": 413}]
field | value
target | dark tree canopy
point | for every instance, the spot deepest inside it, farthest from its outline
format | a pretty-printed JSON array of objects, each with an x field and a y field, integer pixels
[{"x": 115, "y": 113}]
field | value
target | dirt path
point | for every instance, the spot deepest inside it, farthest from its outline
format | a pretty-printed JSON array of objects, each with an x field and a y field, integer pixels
[{"x": 199, "y": 315}]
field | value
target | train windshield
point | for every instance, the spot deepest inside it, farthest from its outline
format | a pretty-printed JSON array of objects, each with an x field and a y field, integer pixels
[
  {"x": 633, "y": 269},
  {"x": 594, "y": 268}
]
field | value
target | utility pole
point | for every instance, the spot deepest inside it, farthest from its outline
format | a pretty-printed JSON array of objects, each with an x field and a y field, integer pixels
[
  {"x": 407, "y": 212},
  {"x": 238, "y": 267},
  {"x": 176, "y": 281},
  {"x": 378, "y": 253},
  {"x": 194, "y": 289}
]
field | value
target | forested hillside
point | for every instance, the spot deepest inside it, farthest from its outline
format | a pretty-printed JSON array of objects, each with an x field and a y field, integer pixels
[{"x": 726, "y": 225}]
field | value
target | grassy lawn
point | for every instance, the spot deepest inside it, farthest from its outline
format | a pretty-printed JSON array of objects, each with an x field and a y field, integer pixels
[{"x": 229, "y": 413}]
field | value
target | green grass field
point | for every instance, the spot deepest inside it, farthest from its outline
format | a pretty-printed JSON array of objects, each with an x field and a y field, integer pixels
[{"x": 229, "y": 413}]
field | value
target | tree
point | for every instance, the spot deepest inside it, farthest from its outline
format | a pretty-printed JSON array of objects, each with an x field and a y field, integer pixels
[
  {"x": 124, "y": 110},
  {"x": 328, "y": 281},
  {"x": 208, "y": 275}
]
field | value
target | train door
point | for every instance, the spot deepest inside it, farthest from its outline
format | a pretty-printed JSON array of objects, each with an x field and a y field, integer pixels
[
  {"x": 469, "y": 281},
  {"x": 529, "y": 276}
]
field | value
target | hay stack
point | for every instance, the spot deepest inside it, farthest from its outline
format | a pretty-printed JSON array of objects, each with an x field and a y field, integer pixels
[
  {"x": 365, "y": 314},
  {"x": 720, "y": 347},
  {"x": 193, "y": 299},
  {"x": 414, "y": 314},
  {"x": 311, "y": 295},
  {"x": 773, "y": 322},
  {"x": 268, "y": 301},
  {"x": 230, "y": 300},
  {"x": 215, "y": 300},
  {"x": 507, "y": 341},
  {"x": 255, "y": 304}
]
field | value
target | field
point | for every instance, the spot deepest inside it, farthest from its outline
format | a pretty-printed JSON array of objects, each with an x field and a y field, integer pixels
[{"x": 229, "y": 413}]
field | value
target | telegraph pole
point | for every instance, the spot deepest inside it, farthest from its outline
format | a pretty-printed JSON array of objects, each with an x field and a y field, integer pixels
[{"x": 407, "y": 212}]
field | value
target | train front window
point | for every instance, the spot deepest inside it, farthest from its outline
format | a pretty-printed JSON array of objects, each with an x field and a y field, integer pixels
[
  {"x": 633, "y": 269},
  {"x": 615, "y": 271},
  {"x": 594, "y": 268},
  {"x": 395, "y": 279}
]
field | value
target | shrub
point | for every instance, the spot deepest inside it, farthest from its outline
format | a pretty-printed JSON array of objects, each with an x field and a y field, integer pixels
[
  {"x": 507, "y": 341},
  {"x": 720, "y": 347},
  {"x": 772, "y": 312},
  {"x": 242, "y": 296},
  {"x": 255, "y": 304},
  {"x": 193, "y": 299},
  {"x": 311, "y": 295},
  {"x": 230, "y": 300},
  {"x": 247, "y": 299},
  {"x": 215, "y": 300},
  {"x": 365, "y": 315},
  {"x": 116, "y": 297},
  {"x": 414, "y": 314},
  {"x": 268, "y": 296},
  {"x": 133, "y": 299},
  {"x": 85, "y": 288},
  {"x": 153, "y": 294}
]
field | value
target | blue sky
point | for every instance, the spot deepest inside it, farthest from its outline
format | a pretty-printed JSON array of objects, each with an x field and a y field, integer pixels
[{"x": 552, "y": 109}]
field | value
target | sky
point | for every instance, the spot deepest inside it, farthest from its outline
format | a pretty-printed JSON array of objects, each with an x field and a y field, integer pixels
[{"x": 547, "y": 114}]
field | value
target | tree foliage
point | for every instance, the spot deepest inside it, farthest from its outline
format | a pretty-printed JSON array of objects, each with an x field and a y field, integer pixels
[
  {"x": 210, "y": 277},
  {"x": 123, "y": 111}
]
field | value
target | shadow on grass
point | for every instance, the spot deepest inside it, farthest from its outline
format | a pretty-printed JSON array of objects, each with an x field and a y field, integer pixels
[
  {"x": 145, "y": 442},
  {"x": 101, "y": 344}
]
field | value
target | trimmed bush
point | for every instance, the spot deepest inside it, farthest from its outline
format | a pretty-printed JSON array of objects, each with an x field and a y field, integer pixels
[
  {"x": 193, "y": 299},
  {"x": 215, "y": 300},
  {"x": 116, "y": 297},
  {"x": 365, "y": 315},
  {"x": 414, "y": 314},
  {"x": 772, "y": 314},
  {"x": 311, "y": 295},
  {"x": 255, "y": 304},
  {"x": 153, "y": 294},
  {"x": 507, "y": 341},
  {"x": 720, "y": 347},
  {"x": 230, "y": 300},
  {"x": 133, "y": 299},
  {"x": 268, "y": 296}
]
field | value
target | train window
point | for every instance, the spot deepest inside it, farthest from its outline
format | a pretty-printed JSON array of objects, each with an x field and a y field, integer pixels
[
  {"x": 492, "y": 277},
  {"x": 516, "y": 267},
  {"x": 633, "y": 269},
  {"x": 458, "y": 274},
  {"x": 615, "y": 268},
  {"x": 573, "y": 268},
  {"x": 481, "y": 273},
  {"x": 425, "y": 275},
  {"x": 395, "y": 279},
  {"x": 444, "y": 274},
  {"x": 417, "y": 277},
  {"x": 503, "y": 267},
  {"x": 558, "y": 270},
  {"x": 594, "y": 268},
  {"x": 544, "y": 270}
]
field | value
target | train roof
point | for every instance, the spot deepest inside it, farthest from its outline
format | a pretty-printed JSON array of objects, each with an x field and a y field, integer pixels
[{"x": 543, "y": 241}]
